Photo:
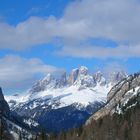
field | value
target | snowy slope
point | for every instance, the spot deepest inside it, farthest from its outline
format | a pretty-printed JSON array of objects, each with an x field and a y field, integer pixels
[
  {"x": 83, "y": 89},
  {"x": 73, "y": 97},
  {"x": 125, "y": 101}
]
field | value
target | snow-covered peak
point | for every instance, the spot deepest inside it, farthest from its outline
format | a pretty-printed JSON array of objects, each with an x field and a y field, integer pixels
[
  {"x": 81, "y": 78},
  {"x": 41, "y": 85},
  {"x": 84, "y": 81},
  {"x": 48, "y": 78},
  {"x": 78, "y": 77},
  {"x": 79, "y": 81},
  {"x": 99, "y": 78},
  {"x": 76, "y": 73},
  {"x": 49, "y": 82},
  {"x": 87, "y": 81},
  {"x": 83, "y": 70}
]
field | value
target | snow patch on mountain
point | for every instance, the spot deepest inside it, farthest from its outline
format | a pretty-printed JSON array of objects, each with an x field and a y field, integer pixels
[
  {"x": 126, "y": 98},
  {"x": 79, "y": 87},
  {"x": 72, "y": 94},
  {"x": 66, "y": 96},
  {"x": 64, "y": 102}
]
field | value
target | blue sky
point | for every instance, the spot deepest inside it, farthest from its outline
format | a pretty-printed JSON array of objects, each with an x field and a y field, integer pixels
[
  {"x": 17, "y": 11},
  {"x": 38, "y": 37}
]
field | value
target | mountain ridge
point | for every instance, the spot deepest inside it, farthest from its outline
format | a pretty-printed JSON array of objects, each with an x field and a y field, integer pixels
[
  {"x": 74, "y": 97},
  {"x": 118, "y": 119},
  {"x": 119, "y": 95}
]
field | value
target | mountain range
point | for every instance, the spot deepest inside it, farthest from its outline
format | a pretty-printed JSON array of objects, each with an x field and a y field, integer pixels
[
  {"x": 64, "y": 102},
  {"x": 118, "y": 119},
  {"x": 84, "y": 105}
]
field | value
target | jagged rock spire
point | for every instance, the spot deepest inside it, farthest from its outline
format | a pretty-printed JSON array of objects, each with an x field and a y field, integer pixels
[{"x": 73, "y": 76}]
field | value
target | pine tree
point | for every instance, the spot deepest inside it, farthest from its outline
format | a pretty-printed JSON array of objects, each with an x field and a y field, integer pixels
[
  {"x": 43, "y": 136},
  {"x": 1, "y": 127},
  {"x": 20, "y": 136}
]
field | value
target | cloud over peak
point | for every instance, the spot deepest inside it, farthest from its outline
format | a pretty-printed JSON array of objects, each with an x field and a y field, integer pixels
[{"x": 19, "y": 73}]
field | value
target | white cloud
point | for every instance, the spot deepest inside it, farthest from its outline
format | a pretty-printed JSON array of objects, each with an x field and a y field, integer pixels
[
  {"x": 20, "y": 73},
  {"x": 116, "y": 20},
  {"x": 101, "y": 52}
]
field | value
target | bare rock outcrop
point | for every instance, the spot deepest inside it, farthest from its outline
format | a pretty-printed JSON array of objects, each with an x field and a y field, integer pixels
[
  {"x": 4, "y": 107},
  {"x": 117, "y": 94}
]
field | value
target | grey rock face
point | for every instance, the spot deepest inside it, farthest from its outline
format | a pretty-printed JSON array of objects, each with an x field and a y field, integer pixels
[
  {"x": 42, "y": 84},
  {"x": 4, "y": 107},
  {"x": 76, "y": 73},
  {"x": 99, "y": 78},
  {"x": 73, "y": 76},
  {"x": 49, "y": 82},
  {"x": 1, "y": 94},
  {"x": 118, "y": 94},
  {"x": 79, "y": 77},
  {"x": 84, "y": 79}
]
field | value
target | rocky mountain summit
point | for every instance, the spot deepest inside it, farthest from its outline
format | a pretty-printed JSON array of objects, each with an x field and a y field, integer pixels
[
  {"x": 65, "y": 100},
  {"x": 79, "y": 77}
]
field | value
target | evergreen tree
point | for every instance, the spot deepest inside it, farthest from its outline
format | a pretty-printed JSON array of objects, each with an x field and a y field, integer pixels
[
  {"x": 20, "y": 136},
  {"x": 1, "y": 127},
  {"x": 43, "y": 136}
]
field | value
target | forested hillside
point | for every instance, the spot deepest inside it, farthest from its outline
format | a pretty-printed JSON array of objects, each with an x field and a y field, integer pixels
[{"x": 124, "y": 126}]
